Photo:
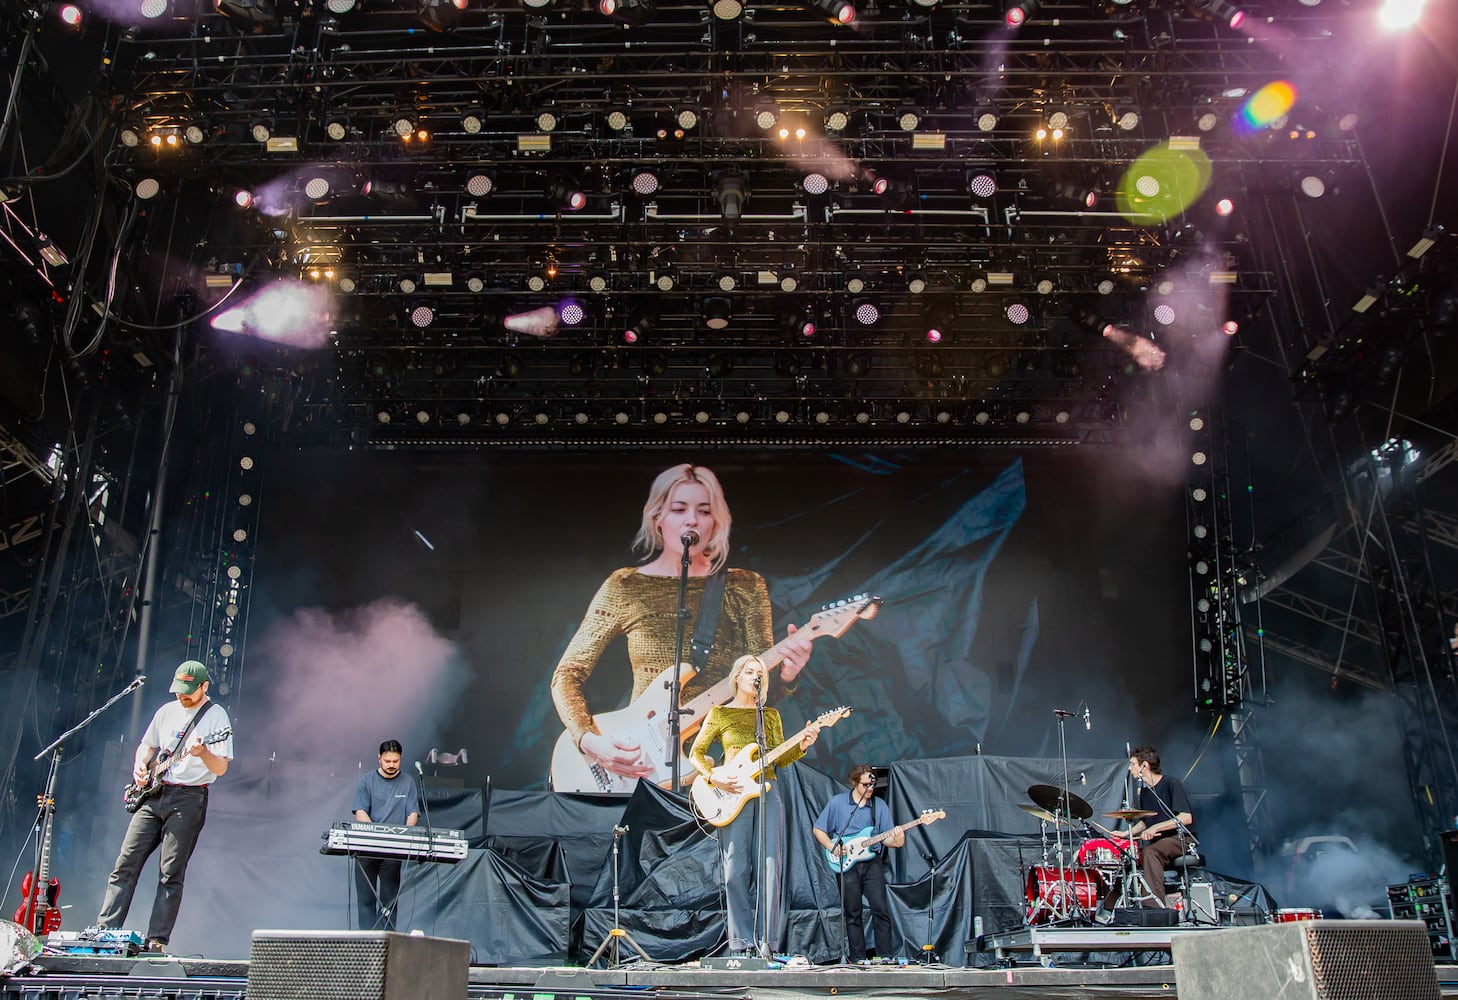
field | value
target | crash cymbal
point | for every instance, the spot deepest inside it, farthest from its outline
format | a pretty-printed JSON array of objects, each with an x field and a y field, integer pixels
[
  {"x": 1041, "y": 813},
  {"x": 1055, "y": 800},
  {"x": 1128, "y": 814}
]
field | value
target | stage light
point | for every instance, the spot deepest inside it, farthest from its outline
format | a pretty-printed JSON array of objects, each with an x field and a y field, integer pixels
[
  {"x": 1017, "y": 311},
  {"x": 71, "y": 16},
  {"x": 629, "y": 12},
  {"x": 836, "y": 119},
  {"x": 571, "y": 313},
  {"x": 147, "y": 188},
  {"x": 731, "y": 191},
  {"x": 421, "y": 314},
  {"x": 646, "y": 182},
  {"x": 1164, "y": 314},
  {"x": 766, "y": 116},
  {"x": 1224, "y": 206},
  {"x": 895, "y": 195},
  {"x": 1075, "y": 193},
  {"x": 440, "y": 15},
  {"x": 261, "y": 130},
  {"x": 1225, "y": 12},
  {"x": 341, "y": 6},
  {"x": 858, "y": 365},
  {"x": 981, "y": 182},
  {"x": 1019, "y": 11},
  {"x": 1312, "y": 185},
  {"x": 838, "y": 11},
  {"x": 480, "y": 184},
  {"x": 716, "y": 313},
  {"x": 795, "y": 319},
  {"x": 641, "y": 325},
  {"x": 252, "y": 15},
  {"x": 317, "y": 188},
  {"x": 727, "y": 10},
  {"x": 866, "y": 312},
  {"x": 564, "y": 194},
  {"x": 1400, "y": 13},
  {"x": 907, "y": 119},
  {"x": 815, "y": 183},
  {"x": 1125, "y": 117},
  {"x": 916, "y": 282}
]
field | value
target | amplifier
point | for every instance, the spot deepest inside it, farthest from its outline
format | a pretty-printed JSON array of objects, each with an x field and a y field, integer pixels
[
  {"x": 1307, "y": 960},
  {"x": 356, "y": 965}
]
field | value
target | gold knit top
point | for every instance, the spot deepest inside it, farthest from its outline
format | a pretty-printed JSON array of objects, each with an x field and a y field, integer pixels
[
  {"x": 734, "y": 729},
  {"x": 643, "y": 609}
]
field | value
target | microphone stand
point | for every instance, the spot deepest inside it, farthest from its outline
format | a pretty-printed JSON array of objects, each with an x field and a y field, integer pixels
[
  {"x": 675, "y": 687},
  {"x": 929, "y": 948},
  {"x": 762, "y": 915},
  {"x": 48, "y": 797},
  {"x": 840, "y": 880},
  {"x": 617, "y": 929}
]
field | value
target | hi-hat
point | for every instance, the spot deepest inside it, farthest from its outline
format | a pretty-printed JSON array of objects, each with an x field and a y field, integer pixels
[
  {"x": 1128, "y": 814},
  {"x": 1041, "y": 813},
  {"x": 1056, "y": 800}
]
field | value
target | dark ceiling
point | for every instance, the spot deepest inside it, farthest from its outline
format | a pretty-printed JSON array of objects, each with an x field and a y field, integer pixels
[{"x": 383, "y": 155}]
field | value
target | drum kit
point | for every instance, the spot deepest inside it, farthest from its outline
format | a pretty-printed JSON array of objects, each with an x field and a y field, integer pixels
[{"x": 1061, "y": 892}]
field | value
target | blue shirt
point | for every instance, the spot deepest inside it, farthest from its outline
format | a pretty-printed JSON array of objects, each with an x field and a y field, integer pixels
[
  {"x": 386, "y": 800},
  {"x": 841, "y": 817}
]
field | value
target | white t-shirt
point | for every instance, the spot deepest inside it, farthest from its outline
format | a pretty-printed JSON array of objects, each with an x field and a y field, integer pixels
[{"x": 167, "y": 725}]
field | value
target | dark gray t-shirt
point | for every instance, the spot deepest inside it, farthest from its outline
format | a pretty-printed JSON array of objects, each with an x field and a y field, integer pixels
[{"x": 387, "y": 800}]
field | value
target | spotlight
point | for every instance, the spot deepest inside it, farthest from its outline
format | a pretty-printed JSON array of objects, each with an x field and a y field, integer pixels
[
  {"x": 985, "y": 119},
  {"x": 836, "y": 119},
  {"x": 261, "y": 131},
  {"x": 1164, "y": 314},
  {"x": 564, "y": 194},
  {"x": 1125, "y": 117},
  {"x": 838, "y": 11},
  {"x": 716, "y": 313},
  {"x": 1016, "y": 311},
  {"x": 1225, "y": 12},
  {"x": 766, "y": 116},
  {"x": 916, "y": 282},
  {"x": 1019, "y": 11},
  {"x": 629, "y": 12},
  {"x": 318, "y": 188},
  {"x": 982, "y": 182},
  {"x": 907, "y": 119},
  {"x": 546, "y": 121},
  {"x": 480, "y": 184},
  {"x": 646, "y": 182},
  {"x": 731, "y": 191},
  {"x": 1075, "y": 193},
  {"x": 71, "y": 15},
  {"x": 687, "y": 119},
  {"x": 570, "y": 312},
  {"x": 341, "y": 6},
  {"x": 421, "y": 314},
  {"x": 440, "y": 15},
  {"x": 727, "y": 10},
  {"x": 640, "y": 325},
  {"x": 895, "y": 195},
  {"x": 866, "y": 312},
  {"x": 815, "y": 183},
  {"x": 795, "y": 319}
]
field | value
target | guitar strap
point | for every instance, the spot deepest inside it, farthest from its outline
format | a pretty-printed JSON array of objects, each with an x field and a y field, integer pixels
[
  {"x": 191, "y": 723},
  {"x": 702, "y": 644}
]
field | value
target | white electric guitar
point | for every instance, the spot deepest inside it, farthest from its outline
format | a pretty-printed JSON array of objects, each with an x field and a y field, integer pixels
[
  {"x": 719, "y": 806},
  {"x": 645, "y": 721}
]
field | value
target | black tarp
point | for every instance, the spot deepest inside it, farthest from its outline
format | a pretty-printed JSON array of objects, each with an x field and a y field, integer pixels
[{"x": 537, "y": 885}]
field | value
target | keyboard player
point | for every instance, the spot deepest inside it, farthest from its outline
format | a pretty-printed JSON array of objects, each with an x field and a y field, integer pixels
[{"x": 383, "y": 795}]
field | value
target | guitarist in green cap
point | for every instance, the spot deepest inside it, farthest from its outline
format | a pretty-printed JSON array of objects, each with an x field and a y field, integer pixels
[{"x": 193, "y": 736}]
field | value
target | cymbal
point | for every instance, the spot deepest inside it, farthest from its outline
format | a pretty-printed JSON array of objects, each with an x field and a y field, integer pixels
[
  {"x": 1128, "y": 814},
  {"x": 1055, "y": 800},
  {"x": 1041, "y": 813}
]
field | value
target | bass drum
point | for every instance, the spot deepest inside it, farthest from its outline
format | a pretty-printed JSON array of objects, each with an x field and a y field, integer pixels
[{"x": 1051, "y": 897}]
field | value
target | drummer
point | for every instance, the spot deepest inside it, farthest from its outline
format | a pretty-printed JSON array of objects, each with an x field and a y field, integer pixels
[{"x": 1168, "y": 827}]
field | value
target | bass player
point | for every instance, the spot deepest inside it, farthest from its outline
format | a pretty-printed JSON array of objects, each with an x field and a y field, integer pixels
[{"x": 858, "y": 812}]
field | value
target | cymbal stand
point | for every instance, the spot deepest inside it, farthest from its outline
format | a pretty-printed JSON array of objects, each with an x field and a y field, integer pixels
[{"x": 1065, "y": 905}]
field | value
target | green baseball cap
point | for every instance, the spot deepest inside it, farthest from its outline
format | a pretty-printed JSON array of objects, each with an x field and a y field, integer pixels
[{"x": 190, "y": 676}]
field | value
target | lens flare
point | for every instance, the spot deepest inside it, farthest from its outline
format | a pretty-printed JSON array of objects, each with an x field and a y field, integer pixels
[
  {"x": 1265, "y": 107},
  {"x": 1162, "y": 183}
]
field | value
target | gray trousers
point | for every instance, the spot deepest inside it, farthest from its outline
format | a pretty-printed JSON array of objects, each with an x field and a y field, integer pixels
[
  {"x": 739, "y": 852},
  {"x": 171, "y": 819}
]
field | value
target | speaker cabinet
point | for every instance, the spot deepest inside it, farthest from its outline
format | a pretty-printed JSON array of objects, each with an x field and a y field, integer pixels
[
  {"x": 356, "y": 965},
  {"x": 1307, "y": 960}
]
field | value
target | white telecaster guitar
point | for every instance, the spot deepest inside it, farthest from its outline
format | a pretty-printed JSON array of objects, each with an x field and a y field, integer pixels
[
  {"x": 719, "y": 806},
  {"x": 645, "y": 721}
]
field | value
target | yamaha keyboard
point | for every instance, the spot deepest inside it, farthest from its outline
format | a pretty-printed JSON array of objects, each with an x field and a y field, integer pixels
[{"x": 385, "y": 840}]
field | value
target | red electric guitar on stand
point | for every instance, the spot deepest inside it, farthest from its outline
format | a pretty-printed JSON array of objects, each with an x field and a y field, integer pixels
[{"x": 40, "y": 891}]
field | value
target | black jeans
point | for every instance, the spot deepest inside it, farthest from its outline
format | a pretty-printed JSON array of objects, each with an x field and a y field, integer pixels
[
  {"x": 868, "y": 879},
  {"x": 376, "y": 906},
  {"x": 172, "y": 819}
]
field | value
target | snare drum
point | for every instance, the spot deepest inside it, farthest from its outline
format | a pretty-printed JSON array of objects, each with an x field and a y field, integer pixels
[
  {"x": 1292, "y": 914},
  {"x": 1099, "y": 853},
  {"x": 1047, "y": 892}
]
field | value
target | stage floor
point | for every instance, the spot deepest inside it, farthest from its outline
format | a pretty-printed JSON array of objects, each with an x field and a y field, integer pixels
[{"x": 1060, "y": 971}]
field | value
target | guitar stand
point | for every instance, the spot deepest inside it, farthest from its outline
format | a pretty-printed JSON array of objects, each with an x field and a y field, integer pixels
[{"x": 616, "y": 933}]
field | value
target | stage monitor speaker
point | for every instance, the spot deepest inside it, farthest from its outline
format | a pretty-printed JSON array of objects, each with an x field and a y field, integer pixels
[
  {"x": 1201, "y": 904},
  {"x": 1307, "y": 960},
  {"x": 356, "y": 965}
]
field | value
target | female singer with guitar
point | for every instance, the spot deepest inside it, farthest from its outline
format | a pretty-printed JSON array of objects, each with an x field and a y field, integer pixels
[
  {"x": 685, "y": 504},
  {"x": 733, "y": 727}
]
